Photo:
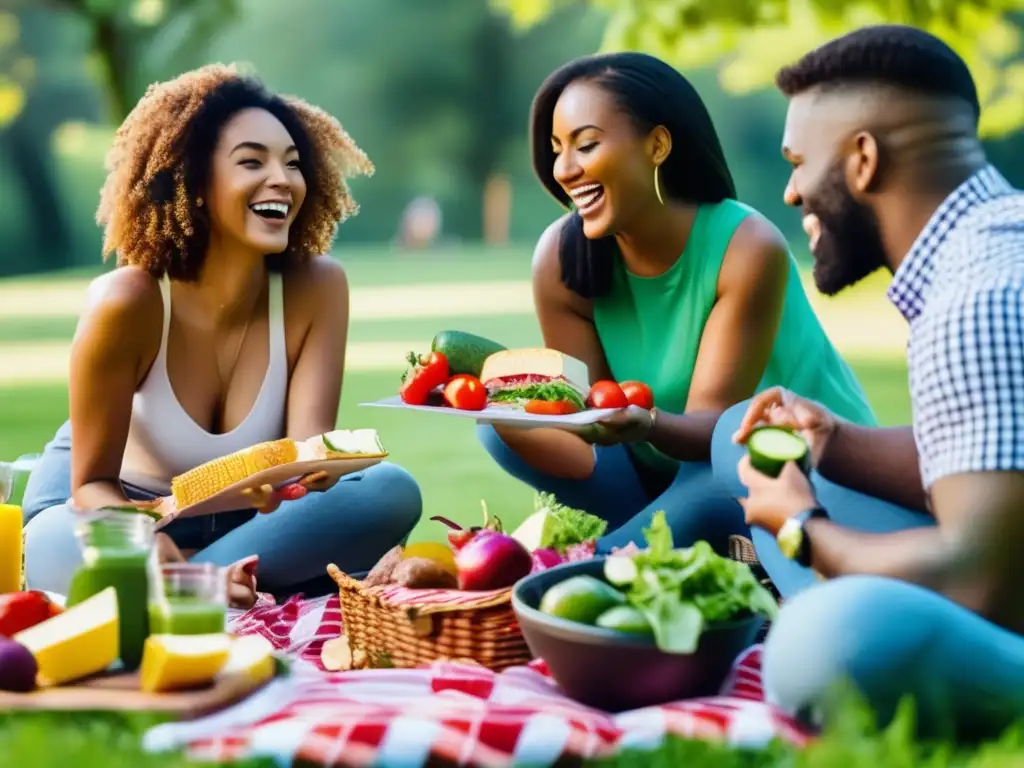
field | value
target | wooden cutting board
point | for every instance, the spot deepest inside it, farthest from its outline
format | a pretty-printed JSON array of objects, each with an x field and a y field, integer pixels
[{"x": 119, "y": 692}]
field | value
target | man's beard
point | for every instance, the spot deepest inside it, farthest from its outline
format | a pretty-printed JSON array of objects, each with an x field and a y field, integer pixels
[{"x": 849, "y": 247}]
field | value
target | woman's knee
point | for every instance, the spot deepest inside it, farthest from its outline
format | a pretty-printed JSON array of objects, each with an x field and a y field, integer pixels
[
  {"x": 51, "y": 551},
  {"x": 725, "y": 454},
  {"x": 862, "y": 630},
  {"x": 396, "y": 494},
  {"x": 699, "y": 507}
]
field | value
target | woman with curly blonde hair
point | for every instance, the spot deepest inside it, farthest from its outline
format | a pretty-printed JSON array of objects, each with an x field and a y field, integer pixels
[{"x": 223, "y": 325}]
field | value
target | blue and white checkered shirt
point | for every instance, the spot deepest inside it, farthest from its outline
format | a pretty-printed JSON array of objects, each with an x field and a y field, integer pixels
[{"x": 961, "y": 289}]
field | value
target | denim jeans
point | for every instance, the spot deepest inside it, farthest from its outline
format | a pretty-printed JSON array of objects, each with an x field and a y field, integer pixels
[{"x": 696, "y": 506}]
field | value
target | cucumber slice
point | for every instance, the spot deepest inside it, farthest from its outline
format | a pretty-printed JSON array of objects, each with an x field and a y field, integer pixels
[
  {"x": 620, "y": 570},
  {"x": 770, "y": 448},
  {"x": 356, "y": 442}
]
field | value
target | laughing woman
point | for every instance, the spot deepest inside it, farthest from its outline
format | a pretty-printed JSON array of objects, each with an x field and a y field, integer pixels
[
  {"x": 658, "y": 275},
  {"x": 222, "y": 326}
]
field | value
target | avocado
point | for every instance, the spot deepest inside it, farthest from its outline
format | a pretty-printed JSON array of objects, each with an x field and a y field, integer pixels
[
  {"x": 770, "y": 448},
  {"x": 466, "y": 352}
]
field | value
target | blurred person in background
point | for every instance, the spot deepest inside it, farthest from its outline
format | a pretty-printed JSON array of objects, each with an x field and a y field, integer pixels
[
  {"x": 658, "y": 274},
  {"x": 917, "y": 530},
  {"x": 224, "y": 325}
]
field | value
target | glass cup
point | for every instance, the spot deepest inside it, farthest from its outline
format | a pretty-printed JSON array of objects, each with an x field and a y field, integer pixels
[{"x": 188, "y": 599}]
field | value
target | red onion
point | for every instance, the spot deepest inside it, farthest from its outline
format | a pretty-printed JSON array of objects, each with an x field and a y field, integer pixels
[
  {"x": 491, "y": 560},
  {"x": 544, "y": 559}
]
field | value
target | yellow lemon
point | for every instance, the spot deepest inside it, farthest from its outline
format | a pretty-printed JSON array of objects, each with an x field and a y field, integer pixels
[{"x": 435, "y": 551}]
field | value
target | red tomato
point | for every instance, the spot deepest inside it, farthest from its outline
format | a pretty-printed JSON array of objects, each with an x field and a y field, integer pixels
[
  {"x": 550, "y": 407},
  {"x": 426, "y": 373},
  {"x": 638, "y": 393},
  {"x": 465, "y": 393},
  {"x": 21, "y": 610},
  {"x": 606, "y": 394}
]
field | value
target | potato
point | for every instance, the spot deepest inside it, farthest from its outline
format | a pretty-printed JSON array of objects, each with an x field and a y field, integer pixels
[
  {"x": 384, "y": 571},
  {"x": 18, "y": 667},
  {"x": 421, "y": 573}
]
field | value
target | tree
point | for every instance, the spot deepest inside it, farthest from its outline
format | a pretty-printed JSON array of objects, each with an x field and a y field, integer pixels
[
  {"x": 15, "y": 70},
  {"x": 748, "y": 40},
  {"x": 138, "y": 41}
]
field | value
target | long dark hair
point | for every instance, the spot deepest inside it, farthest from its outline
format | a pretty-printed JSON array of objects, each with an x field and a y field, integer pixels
[{"x": 652, "y": 93}]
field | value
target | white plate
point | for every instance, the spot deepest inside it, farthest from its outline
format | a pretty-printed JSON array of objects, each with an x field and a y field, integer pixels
[
  {"x": 233, "y": 497},
  {"x": 510, "y": 417}
]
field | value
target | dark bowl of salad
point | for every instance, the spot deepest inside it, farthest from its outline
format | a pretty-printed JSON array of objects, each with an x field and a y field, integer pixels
[{"x": 622, "y": 632}]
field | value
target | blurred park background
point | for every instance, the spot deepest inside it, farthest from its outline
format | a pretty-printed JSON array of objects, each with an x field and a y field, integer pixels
[{"x": 437, "y": 92}]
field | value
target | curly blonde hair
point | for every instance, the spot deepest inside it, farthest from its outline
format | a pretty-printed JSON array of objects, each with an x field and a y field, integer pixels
[{"x": 159, "y": 165}]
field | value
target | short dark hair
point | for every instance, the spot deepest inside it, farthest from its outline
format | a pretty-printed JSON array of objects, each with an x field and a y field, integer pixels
[
  {"x": 652, "y": 93},
  {"x": 885, "y": 54}
]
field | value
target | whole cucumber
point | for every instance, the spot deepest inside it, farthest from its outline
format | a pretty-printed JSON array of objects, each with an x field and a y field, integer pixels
[{"x": 466, "y": 352}]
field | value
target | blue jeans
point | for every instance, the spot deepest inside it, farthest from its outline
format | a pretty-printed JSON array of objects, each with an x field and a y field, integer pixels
[
  {"x": 351, "y": 525},
  {"x": 887, "y": 637},
  {"x": 695, "y": 506}
]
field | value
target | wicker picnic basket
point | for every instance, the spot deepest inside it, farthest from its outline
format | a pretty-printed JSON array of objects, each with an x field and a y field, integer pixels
[{"x": 483, "y": 630}]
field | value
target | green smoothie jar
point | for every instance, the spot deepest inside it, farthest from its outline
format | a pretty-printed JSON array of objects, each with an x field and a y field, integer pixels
[
  {"x": 188, "y": 599},
  {"x": 117, "y": 550}
]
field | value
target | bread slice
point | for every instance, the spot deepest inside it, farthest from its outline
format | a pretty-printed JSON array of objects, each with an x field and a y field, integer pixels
[
  {"x": 534, "y": 364},
  {"x": 346, "y": 444}
]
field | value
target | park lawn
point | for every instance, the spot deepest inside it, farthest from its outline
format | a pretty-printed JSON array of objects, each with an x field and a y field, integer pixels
[{"x": 442, "y": 452}]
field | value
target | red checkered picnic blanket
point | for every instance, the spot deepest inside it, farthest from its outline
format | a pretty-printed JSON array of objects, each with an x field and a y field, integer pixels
[{"x": 447, "y": 713}]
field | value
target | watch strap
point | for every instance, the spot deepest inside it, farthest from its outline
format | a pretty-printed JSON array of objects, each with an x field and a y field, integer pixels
[{"x": 792, "y": 538}]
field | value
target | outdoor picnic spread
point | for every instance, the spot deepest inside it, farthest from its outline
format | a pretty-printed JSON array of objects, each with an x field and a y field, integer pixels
[{"x": 483, "y": 647}]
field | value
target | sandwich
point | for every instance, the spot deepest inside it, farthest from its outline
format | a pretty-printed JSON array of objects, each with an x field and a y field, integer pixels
[
  {"x": 344, "y": 444},
  {"x": 538, "y": 380}
]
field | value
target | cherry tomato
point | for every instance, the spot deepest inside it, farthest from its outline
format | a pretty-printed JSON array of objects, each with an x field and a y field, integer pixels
[
  {"x": 465, "y": 393},
  {"x": 638, "y": 393},
  {"x": 606, "y": 394},
  {"x": 550, "y": 407}
]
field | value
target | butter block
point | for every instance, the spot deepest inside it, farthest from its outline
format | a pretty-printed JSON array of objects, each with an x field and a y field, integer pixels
[
  {"x": 81, "y": 641},
  {"x": 176, "y": 662}
]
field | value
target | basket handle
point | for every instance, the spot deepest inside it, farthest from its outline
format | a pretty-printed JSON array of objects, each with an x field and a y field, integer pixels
[{"x": 343, "y": 580}]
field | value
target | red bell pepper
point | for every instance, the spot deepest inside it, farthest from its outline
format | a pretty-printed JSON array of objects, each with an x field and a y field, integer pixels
[
  {"x": 21, "y": 610},
  {"x": 427, "y": 373}
]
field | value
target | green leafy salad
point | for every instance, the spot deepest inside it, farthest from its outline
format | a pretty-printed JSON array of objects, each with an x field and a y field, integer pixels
[
  {"x": 680, "y": 591},
  {"x": 550, "y": 391}
]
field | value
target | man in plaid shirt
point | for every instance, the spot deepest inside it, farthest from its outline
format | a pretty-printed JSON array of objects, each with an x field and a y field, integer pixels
[{"x": 898, "y": 570}]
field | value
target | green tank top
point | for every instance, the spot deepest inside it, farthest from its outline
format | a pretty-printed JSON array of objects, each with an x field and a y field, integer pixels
[{"x": 651, "y": 327}]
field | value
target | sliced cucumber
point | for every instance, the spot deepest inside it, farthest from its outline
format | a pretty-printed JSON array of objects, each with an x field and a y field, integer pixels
[
  {"x": 356, "y": 442},
  {"x": 620, "y": 570},
  {"x": 770, "y": 448}
]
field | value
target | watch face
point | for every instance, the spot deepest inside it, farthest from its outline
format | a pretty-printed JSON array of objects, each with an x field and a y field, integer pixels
[{"x": 790, "y": 537}]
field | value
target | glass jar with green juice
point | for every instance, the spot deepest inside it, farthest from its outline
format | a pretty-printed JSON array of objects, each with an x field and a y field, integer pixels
[
  {"x": 117, "y": 551},
  {"x": 188, "y": 599}
]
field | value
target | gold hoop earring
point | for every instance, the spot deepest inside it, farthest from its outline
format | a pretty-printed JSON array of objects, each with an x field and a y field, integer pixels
[
  {"x": 199, "y": 202},
  {"x": 657, "y": 185}
]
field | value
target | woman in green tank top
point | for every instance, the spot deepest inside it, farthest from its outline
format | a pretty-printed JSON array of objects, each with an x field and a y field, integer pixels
[{"x": 658, "y": 275}]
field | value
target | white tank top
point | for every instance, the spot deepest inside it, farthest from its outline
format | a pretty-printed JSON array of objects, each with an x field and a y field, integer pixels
[{"x": 164, "y": 441}]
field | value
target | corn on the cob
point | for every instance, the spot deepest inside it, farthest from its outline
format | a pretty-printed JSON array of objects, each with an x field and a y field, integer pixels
[{"x": 216, "y": 475}]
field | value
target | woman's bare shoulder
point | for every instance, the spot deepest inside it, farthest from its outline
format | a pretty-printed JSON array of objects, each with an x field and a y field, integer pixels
[{"x": 122, "y": 305}]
